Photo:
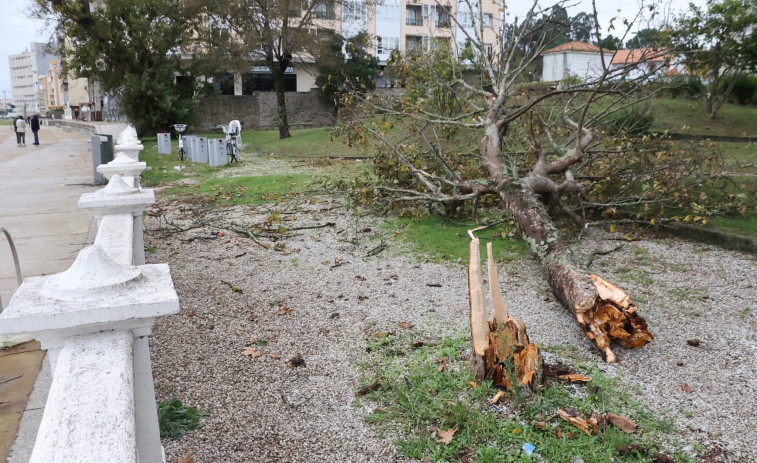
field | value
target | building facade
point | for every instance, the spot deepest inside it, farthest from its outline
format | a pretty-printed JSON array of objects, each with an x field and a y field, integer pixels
[
  {"x": 403, "y": 25},
  {"x": 25, "y": 69}
]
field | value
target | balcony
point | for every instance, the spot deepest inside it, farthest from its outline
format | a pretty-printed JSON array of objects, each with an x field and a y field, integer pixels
[{"x": 414, "y": 15}]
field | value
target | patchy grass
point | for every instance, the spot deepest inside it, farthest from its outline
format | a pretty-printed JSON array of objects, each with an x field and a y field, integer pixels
[
  {"x": 439, "y": 240},
  {"x": 175, "y": 419},
  {"x": 246, "y": 190},
  {"x": 306, "y": 143},
  {"x": 731, "y": 120},
  {"x": 6, "y": 122},
  {"x": 416, "y": 401}
]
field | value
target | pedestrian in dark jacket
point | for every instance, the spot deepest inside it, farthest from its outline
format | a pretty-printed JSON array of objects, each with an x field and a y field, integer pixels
[{"x": 34, "y": 124}]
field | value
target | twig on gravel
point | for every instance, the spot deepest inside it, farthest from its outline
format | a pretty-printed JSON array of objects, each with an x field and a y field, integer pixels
[
  {"x": 327, "y": 224},
  {"x": 602, "y": 253},
  {"x": 376, "y": 250},
  {"x": 246, "y": 233}
]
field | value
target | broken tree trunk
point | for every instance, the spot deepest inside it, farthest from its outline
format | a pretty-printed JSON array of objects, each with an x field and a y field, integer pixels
[
  {"x": 602, "y": 309},
  {"x": 501, "y": 350}
]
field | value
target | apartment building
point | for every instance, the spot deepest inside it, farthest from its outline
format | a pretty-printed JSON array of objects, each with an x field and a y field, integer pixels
[
  {"x": 51, "y": 87},
  {"x": 403, "y": 25},
  {"x": 25, "y": 71}
]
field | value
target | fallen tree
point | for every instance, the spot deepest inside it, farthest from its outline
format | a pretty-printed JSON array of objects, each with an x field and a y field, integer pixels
[{"x": 422, "y": 137}]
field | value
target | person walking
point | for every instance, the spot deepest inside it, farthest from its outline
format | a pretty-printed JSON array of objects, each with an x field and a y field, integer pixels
[
  {"x": 34, "y": 124},
  {"x": 21, "y": 131}
]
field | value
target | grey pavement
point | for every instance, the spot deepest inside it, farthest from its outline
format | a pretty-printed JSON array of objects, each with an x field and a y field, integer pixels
[{"x": 39, "y": 188}]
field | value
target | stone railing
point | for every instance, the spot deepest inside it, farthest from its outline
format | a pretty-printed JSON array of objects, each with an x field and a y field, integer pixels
[{"x": 94, "y": 319}]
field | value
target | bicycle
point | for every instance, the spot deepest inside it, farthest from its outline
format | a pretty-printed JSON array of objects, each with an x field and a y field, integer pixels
[
  {"x": 179, "y": 129},
  {"x": 232, "y": 149}
]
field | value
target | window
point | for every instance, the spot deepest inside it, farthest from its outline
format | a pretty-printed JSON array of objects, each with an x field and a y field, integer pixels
[
  {"x": 389, "y": 13},
  {"x": 488, "y": 50},
  {"x": 354, "y": 11},
  {"x": 488, "y": 20},
  {"x": 413, "y": 15},
  {"x": 324, "y": 10},
  {"x": 441, "y": 15},
  {"x": 416, "y": 44},
  {"x": 465, "y": 19},
  {"x": 385, "y": 45}
]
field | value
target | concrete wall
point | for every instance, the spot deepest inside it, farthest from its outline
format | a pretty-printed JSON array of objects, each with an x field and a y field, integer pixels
[{"x": 259, "y": 111}]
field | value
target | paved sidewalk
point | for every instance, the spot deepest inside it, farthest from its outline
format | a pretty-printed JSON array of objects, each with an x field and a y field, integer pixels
[{"x": 39, "y": 188}]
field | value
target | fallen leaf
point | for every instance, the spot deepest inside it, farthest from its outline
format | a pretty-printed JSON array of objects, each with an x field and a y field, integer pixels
[
  {"x": 622, "y": 422},
  {"x": 359, "y": 278},
  {"x": 442, "y": 366},
  {"x": 576, "y": 421},
  {"x": 472, "y": 383},
  {"x": 366, "y": 230},
  {"x": 406, "y": 325},
  {"x": 327, "y": 262},
  {"x": 445, "y": 437},
  {"x": 191, "y": 313},
  {"x": 274, "y": 356},
  {"x": 497, "y": 396},
  {"x": 284, "y": 310},
  {"x": 418, "y": 344},
  {"x": 188, "y": 458},
  {"x": 687, "y": 388},
  {"x": 251, "y": 352},
  {"x": 382, "y": 335},
  {"x": 220, "y": 234},
  {"x": 575, "y": 378}
]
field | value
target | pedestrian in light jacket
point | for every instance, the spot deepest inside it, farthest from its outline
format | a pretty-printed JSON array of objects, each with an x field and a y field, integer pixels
[
  {"x": 34, "y": 125},
  {"x": 21, "y": 131}
]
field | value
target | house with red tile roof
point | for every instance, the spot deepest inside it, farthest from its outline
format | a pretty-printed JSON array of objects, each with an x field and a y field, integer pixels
[
  {"x": 572, "y": 59},
  {"x": 648, "y": 63}
]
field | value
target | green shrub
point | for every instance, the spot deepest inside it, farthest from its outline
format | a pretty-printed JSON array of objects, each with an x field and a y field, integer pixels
[
  {"x": 636, "y": 119},
  {"x": 743, "y": 91},
  {"x": 686, "y": 87},
  {"x": 174, "y": 418}
]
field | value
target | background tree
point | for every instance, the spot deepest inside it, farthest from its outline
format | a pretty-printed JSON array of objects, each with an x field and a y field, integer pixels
[
  {"x": 530, "y": 153},
  {"x": 718, "y": 44},
  {"x": 581, "y": 27},
  {"x": 132, "y": 49},
  {"x": 276, "y": 33},
  {"x": 611, "y": 43},
  {"x": 647, "y": 37},
  {"x": 338, "y": 74}
]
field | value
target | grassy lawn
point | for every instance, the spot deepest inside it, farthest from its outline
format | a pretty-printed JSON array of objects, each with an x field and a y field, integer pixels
[
  {"x": 307, "y": 143},
  {"x": 732, "y": 120},
  {"x": 6, "y": 122}
]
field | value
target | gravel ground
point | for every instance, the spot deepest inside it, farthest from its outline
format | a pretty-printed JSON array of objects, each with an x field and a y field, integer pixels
[{"x": 316, "y": 295}]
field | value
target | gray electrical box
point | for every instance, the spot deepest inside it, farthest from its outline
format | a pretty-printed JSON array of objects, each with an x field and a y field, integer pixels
[
  {"x": 164, "y": 143},
  {"x": 189, "y": 146},
  {"x": 202, "y": 150},
  {"x": 217, "y": 152},
  {"x": 102, "y": 153}
]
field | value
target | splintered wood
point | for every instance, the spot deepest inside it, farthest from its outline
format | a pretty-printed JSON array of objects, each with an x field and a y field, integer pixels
[
  {"x": 501, "y": 350},
  {"x": 613, "y": 318}
]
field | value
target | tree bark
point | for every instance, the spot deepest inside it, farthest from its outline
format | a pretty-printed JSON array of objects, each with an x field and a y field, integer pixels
[
  {"x": 603, "y": 319},
  {"x": 278, "y": 68}
]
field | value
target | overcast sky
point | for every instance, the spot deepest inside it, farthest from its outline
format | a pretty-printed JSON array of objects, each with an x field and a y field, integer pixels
[{"x": 17, "y": 31}]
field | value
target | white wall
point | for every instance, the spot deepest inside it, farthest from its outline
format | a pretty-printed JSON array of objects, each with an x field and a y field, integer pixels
[{"x": 584, "y": 65}]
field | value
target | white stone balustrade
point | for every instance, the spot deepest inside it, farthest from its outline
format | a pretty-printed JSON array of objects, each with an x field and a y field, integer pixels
[
  {"x": 94, "y": 319},
  {"x": 128, "y": 143},
  {"x": 119, "y": 198},
  {"x": 125, "y": 167}
]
